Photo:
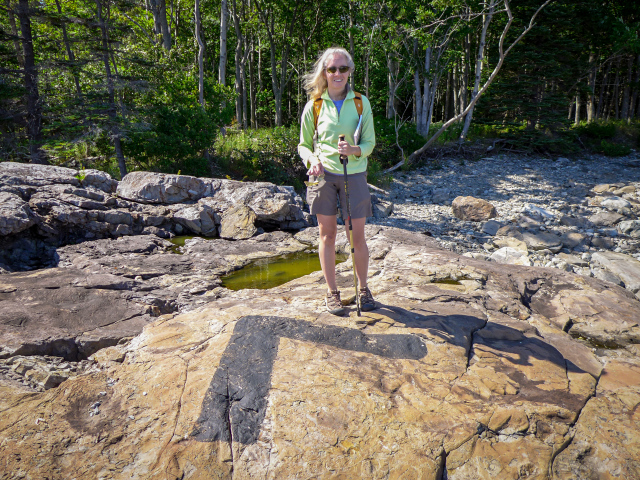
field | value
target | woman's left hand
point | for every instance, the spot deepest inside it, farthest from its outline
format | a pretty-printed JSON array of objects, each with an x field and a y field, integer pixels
[{"x": 345, "y": 149}]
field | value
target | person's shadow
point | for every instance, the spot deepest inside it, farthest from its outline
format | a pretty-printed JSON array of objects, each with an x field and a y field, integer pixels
[{"x": 235, "y": 403}]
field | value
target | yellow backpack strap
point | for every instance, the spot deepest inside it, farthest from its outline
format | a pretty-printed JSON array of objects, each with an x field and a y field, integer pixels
[
  {"x": 317, "y": 105},
  {"x": 358, "y": 102}
]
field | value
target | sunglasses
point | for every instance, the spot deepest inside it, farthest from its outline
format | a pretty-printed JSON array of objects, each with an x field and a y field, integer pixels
[{"x": 342, "y": 69}]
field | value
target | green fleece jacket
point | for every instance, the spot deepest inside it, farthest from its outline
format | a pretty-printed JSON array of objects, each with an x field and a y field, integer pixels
[{"x": 331, "y": 124}]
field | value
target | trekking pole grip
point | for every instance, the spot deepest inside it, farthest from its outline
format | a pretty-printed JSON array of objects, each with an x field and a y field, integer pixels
[{"x": 343, "y": 158}]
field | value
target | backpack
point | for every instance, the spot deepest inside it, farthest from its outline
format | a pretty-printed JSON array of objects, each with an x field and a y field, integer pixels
[{"x": 317, "y": 105}]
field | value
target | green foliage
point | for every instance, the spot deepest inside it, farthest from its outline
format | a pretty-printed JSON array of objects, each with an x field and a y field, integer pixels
[
  {"x": 176, "y": 136},
  {"x": 386, "y": 153},
  {"x": 597, "y": 130},
  {"x": 266, "y": 154},
  {"x": 614, "y": 149}
]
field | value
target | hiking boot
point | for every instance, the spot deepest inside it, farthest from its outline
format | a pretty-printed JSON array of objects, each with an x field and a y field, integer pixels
[
  {"x": 367, "y": 302},
  {"x": 333, "y": 303}
]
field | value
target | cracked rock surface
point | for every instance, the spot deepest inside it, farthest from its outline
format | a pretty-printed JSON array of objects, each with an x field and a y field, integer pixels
[{"x": 468, "y": 370}]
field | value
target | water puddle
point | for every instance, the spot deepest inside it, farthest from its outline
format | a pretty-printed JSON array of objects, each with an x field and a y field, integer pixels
[
  {"x": 447, "y": 281},
  {"x": 179, "y": 242},
  {"x": 271, "y": 272}
]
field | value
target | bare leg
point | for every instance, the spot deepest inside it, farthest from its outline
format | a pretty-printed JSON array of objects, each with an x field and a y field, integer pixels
[
  {"x": 361, "y": 251},
  {"x": 327, "y": 248}
]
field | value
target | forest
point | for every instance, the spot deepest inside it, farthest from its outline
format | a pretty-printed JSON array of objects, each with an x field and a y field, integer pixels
[{"x": 214, "y": 87}]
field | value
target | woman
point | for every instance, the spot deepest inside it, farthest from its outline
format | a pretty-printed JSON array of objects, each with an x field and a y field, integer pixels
[{"x": 338, "y": 115}]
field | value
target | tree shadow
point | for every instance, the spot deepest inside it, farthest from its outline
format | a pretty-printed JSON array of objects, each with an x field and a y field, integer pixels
[{"x": 235, "y": 403}]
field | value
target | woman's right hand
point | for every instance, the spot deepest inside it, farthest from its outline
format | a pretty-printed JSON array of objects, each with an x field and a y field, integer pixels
[{"x": 316, "y": 169}]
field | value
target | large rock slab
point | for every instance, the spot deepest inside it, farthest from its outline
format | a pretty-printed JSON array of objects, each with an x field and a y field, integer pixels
[
  {"x": 104, "y": 291},
  {"x": 56, "y": 206},
  {"x": 606, "y": 444},
  {"x": 66, "y": 313},
  {"x": 25, "y": 177},
  {"x": 466, "y": 371}
]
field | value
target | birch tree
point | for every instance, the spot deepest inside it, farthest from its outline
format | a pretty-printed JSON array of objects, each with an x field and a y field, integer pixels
[{"x": 502, "y": 52}]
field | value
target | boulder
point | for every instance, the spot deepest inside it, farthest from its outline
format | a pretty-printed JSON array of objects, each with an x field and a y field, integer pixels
[
  {"x": 273, "y": 205},
  {"x": 468, "y": 367},
  {"x": 382, "y": 208},
  {"x": 605, "y": 219},
  {"x": 574, "y": 239},
  {"x": 200, "y": 219},
  {"x": 441, "y": 195},
  {"x": 630, "y": 227},
  {"x": 473, "y": 209},
  {"x": 15, "y": 214},
  {"x": 625, "y": 267},
  {"x": 238, "y": 223},
  {"x": 571, "y": 221},
  {"x": 150, "y": 187},
  {"x": 491, "y": 227},
  {"x": 511, "y": 242},
  {"x": 510, "y": 256},
  {"x": 615, "y": 203},
  {"x": 541, "y": 241}
]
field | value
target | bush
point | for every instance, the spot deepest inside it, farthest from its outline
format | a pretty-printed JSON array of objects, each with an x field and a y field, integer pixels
[
  {"x": 597, "y": 130},
  {"x": 177, "y": 134},
  {"x": 614, "y": 149},
  {"x": 386, "y": 153},
  {"x": 267, "y": 154}
]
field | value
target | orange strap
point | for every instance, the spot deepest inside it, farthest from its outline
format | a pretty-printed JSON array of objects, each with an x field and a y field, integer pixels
[{"x": 317, "y": 105}]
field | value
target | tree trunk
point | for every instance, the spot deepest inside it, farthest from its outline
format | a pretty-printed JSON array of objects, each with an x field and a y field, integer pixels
[
  {"x": 391, "y": 100},
  {"x": 456, "y": 92},
  {"x": 447, "y": 98},
  {"x": 222, "y": 66},
  {"x": 633, "y": 110},
  {"x": 164, "y": 25},
  {"x": 198, "y": 32},
  {"x": 238, "y": 61},
  {"x": 591, "y": 99},
  {"x": 479, "y": 59},
  {"x": 14, "y": 32},
  {"x": 417, "y": 99},
  {"x": 626, "y": 93},
  {"x": 467, "y": 67},
  {"x": 578, "y": 105},
  {"x": 615, "y": 100},
  {"x": 352, "y": 48},
  {"x": 602, "y": 99},
  {"x": 259, "y": 64},
  {"x": 252, "y": 86},
  {"x": 427, "y": 96},
  {"x": 115, "y": 131},
  {"x": 244, "y": 85},
  {"x": 34, "y": 108},
  {"x": 154, "y": 8}
]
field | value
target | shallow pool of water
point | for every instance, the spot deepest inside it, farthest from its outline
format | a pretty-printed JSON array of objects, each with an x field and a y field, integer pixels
[
  {"x": 271, "y": 272},
  {"x": 179, "y": 242}
]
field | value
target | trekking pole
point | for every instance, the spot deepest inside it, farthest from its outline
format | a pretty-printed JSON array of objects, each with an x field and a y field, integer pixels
[{"x": 344, "y": 160}]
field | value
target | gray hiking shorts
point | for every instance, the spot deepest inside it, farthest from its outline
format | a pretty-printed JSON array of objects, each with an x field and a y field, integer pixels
[{"x": 323, "y": 197}]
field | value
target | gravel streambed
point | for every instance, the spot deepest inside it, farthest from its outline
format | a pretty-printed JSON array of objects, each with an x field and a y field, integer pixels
[{"x": 577, "y": 215}]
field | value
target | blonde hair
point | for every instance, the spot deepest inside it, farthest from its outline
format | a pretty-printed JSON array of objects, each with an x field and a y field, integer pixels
[{"x": 314, "y": 82}]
